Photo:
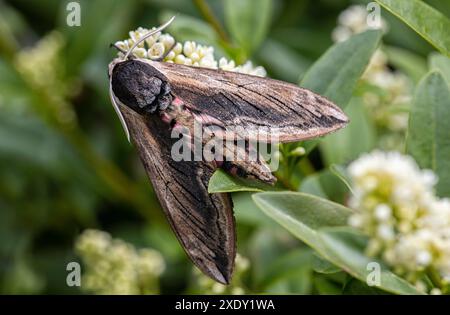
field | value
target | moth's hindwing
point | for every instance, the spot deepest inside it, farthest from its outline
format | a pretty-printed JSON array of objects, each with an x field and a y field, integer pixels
[
  {"x": 204, "y": 223},
  {"x": 236, "y": 100}
]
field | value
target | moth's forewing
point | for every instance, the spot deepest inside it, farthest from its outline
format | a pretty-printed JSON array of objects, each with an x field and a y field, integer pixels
[
  {"x": 239, "y": 100},
  {"x": 203, "y": 223}
]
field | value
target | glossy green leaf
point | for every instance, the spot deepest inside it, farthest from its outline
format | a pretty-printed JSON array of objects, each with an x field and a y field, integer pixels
[
  {"x": 345, "y": 248},
  {"x": 302, "y": 214},
  {"x": 441, "y": 63},
  {"x": 325, "y": 184},
  {"x": 186, "y": 28},
  {"x": 347, "y": 144},
  {"x": 356, "y": 287},
  {"x": 424, "y": 19},
  {"x": 336, "y": 73},
  {"x": 312, "y": 220},
  {"x": 413, "y": 65},
  {"x": 311, "y": 185},
  {"x": 265, "y": 245},
  {"x": 325, "y": 286},
  {"x": 247, "y": 212},
  {"x": 428, "y": 138},
  {"x": 282, "y": 61},
  {"x": 289, "y": 273},
  {"x": 221, "y": 181},
  {"x": 98, "y": 31},
  {"x": 248, "y": 25},
  {"x": 321, "y": 265}
]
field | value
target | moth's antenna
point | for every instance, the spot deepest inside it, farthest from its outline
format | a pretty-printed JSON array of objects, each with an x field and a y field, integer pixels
[{"x": 150, "y": 33}]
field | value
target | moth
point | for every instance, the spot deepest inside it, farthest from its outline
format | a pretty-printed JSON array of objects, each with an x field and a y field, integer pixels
[{"x": 152, "y": 98}]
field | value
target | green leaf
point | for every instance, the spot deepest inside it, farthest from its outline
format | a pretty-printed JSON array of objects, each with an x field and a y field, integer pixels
[
  {"x": 325, "y": 286},
  {"x": 302, "y": 214},
  {"x": 356, "y": 138},
  {"x": 345, "y": 248},
  {"x": 248, "y": 24},
  {"x": 186, "y": 28},
  {"x": 336, "y": 73},
  {"x": 428, "y": 138},
  {"x": 246, "y": 211},
  {"x": 311, "y": 219},
  {"x": 289, "y": 273},
  {"x": 356, "y": 287},
  {"x": 221, "y": 181},
  {"x": 441, "y": 63},
  {"x": 325, "y": 184},
  {"x": 282, "y": 61},
  {"x": 265, "y": 246},
  {"x": 410, "y": 63},
  {"x": 309, "y": 42},
  {"x": 424, "y": 19},
  {"x": 311, "y": 185},
  {"x": 95, "y": 34},
  {"x": 321, "y": 265}
]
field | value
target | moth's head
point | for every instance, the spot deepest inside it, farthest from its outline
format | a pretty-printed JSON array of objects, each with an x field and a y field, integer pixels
[{"x": 138, "y": 85}]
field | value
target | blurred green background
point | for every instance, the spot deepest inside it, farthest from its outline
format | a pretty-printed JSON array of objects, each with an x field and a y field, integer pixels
[{"x": 66, "y": 165}]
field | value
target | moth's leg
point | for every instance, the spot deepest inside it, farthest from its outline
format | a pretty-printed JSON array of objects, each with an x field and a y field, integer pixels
[{"x": 165, "y": 53}]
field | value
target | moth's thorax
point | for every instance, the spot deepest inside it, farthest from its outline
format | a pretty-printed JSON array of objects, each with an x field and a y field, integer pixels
[{"x": 140, "y": 86}]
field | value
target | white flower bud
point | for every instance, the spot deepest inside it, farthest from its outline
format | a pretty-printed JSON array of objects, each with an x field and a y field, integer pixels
[
  {"x": 194, "y": 57},
  {"x": 140, "y": 52},
  {"x": 122, "y": 45},
  {"x": 156, "y": 51},
  {"x": 435, "y": 291},
  {"x": 177, "y": 49},
  {"x": 423, "y": 258},
  {"x": 298, "y": 151},
  {"x": 385, "y": 232},
  {"x": 188, "y": 48},
  {"x": 180, "y": 59},
  {"x": 356, "y": 220},
  {"x": 170, "y": 56},
  {"x": 383, "y": 212},
  {"x": 167, "y": 40}
]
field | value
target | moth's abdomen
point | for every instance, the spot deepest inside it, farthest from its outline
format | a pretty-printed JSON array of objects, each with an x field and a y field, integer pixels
[{"x": 140, "y": 86}]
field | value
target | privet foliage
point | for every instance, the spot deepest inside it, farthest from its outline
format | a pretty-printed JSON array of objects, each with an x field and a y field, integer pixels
[{"x": 66, "y": 166}]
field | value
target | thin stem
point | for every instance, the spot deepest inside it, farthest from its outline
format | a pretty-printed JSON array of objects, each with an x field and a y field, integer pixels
[
  {"x": 286, "y": 183},
  {"x": 209, "y": 16},
  {"x": 8, "y": 44},
  {"x": 306, "y": 166}
]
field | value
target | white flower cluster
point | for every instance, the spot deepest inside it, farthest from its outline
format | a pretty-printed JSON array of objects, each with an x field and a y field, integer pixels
[
  {"x": 208, "y": 286},
  {"x": 352, "y": 21},
  {"x": 116, "y": 267},
  {"x": 386, "y": 107},
  {"x": 42, "y": 68},
  {"x": 409, "y": 227},
  {"x": 189, "y": 53}
]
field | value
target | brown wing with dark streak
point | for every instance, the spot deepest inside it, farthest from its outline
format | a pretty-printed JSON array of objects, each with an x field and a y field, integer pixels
[
  {"x": 251, "y": 102},
  {"x": 203, "y": 223}
]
